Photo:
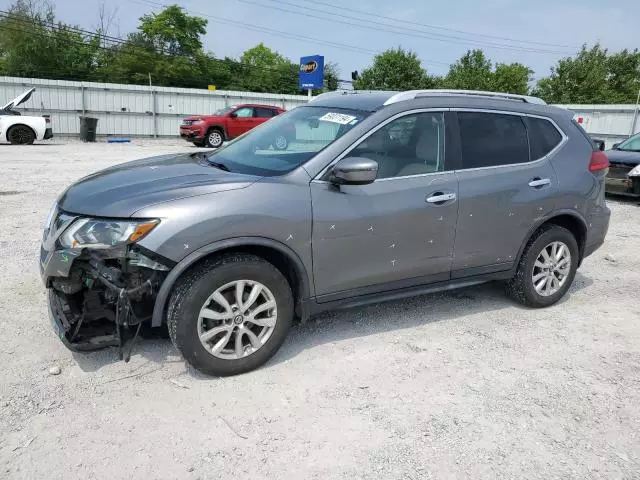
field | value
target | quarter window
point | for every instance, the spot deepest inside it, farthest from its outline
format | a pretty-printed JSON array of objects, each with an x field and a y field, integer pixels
[
  {"x": 543, "y": 136},
  {"x": 409, "y": 145},
  {"x": 492, "y": 139}
]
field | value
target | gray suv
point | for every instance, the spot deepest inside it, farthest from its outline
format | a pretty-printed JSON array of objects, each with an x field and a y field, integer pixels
[{"x": 378, "y": 196}]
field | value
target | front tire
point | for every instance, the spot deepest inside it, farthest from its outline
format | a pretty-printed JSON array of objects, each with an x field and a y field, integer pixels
[
  {"x": 230, "y": 314},
  {"x": 21, "y": 135},
  {"x": 546, "y": 269},
  {"x": 214, "y": 138}
]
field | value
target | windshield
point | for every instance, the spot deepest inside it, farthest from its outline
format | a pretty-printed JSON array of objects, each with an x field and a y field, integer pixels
[
  {"x": 286, "y": 141},
  {"x": 223, "y": 110},
  {"x": 631, "y": 144}
]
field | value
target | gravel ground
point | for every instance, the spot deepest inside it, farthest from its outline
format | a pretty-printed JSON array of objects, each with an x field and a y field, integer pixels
[{"x": 459, "y": 385}]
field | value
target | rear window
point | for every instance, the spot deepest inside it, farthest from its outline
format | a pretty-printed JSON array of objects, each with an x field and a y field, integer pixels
[
  {"x": 492, "y": 139},
  {"x": 543, "y": 136}
]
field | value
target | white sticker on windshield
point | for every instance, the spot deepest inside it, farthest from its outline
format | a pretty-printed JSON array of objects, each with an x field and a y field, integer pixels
[{"x": 340, "y": 118}]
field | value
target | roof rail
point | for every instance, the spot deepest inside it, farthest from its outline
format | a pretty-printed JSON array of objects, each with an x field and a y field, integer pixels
[
  {"x": 412, "y": 94},
  {"x": 338, "y": 93}
]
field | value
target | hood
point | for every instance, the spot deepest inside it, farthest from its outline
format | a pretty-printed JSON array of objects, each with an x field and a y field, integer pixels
[
  {"x": 23, "y": 97},
  {"x": 122, "y": 190},
  {"x": 621, "y": 156}
]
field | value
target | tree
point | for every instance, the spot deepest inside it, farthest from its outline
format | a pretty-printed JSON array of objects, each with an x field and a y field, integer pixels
[
  {"x": 394, "y": 69},
  {"x": 593, "y": 76},
  {"x": 265, "y": 70},
  {"x": 511, "y": 78},
  {"x": 331, "y": 76},
  {"x": 174, "y": 32},
  {"x": 471, "y": 72}
]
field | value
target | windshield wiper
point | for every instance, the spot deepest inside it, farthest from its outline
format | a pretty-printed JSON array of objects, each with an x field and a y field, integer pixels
[
  {"x": 219, "y": 165},
  {"x": 205, "y": 156}
]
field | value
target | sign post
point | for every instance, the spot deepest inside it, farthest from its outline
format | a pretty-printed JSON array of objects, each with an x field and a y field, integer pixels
[{"x": 311, "y": 74}]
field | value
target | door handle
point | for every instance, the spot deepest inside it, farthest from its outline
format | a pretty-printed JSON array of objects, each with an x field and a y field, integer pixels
[
  {"x": 539, "y": 182},
  {"x": 440, "y": 197}
]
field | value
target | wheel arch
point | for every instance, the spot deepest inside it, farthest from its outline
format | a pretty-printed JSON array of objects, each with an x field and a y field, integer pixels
[
  {"x": 217, "y": 126},
  {"x": 278, "y": 254},
  {"x": 35, "y": 134},
  {"x": 569, "y": 219}
]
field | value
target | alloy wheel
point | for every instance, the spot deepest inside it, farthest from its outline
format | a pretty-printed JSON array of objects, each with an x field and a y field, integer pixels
[
  {"x": 551, "y": 269},
  {"x": 237, "y": 319}
]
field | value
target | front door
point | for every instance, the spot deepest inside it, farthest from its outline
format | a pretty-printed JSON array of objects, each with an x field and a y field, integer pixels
[
  {"x": 396, "y": 232},
  {"x": 506, "y": 185},
  {"x": 242, "y": 121}
]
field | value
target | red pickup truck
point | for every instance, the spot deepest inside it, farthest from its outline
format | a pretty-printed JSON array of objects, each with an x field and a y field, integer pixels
[{"x": 225, "y": 124}]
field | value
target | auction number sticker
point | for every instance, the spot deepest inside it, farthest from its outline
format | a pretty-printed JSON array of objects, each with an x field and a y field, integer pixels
[{"x": 340, "y": 118}]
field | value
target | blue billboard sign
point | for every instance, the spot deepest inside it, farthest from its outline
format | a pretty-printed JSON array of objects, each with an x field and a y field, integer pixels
[{"x": 311, "y": 73}]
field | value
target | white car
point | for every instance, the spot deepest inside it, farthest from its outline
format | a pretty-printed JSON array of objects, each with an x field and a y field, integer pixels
[{"x": 23, "y": 129}]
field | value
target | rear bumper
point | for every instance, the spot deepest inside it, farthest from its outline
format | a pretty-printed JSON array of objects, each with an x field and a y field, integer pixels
[
  {"x": 597, "y": 230},
  {"x": 48, "y": 133}
]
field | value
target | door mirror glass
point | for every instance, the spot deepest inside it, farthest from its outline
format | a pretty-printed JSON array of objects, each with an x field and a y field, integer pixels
[
  {"x": 233, "y": 115},
  {"x": 354, "y": 171}
]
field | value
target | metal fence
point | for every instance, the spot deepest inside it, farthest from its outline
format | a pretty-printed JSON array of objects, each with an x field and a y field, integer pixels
[
  {"x": 131, "y": 110},
  {"x": 137, "y": 110}
]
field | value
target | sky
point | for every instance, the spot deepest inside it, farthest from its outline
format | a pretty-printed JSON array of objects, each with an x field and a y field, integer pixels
[{"x": 536, "y": 33}]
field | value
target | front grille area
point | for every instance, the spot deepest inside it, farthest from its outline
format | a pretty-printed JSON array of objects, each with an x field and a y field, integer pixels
[{"x": 619, "y": 170}]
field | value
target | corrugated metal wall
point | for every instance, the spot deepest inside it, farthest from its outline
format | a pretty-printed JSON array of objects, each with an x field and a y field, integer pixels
[
  {"x": 147, "y": 111},
  {"x": 126, "y": 109}
]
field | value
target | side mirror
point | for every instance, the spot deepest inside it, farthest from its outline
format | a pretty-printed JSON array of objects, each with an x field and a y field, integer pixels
[
  {"x": 615, "y": 145},
  {"x": 354, "y": 171},
  {"x": 233, "y": 115}
]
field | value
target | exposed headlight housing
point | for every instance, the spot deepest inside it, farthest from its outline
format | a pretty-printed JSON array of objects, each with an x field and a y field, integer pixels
[
  {"x": 100, "y": 234},
  {"x": 635, "y": 172}
]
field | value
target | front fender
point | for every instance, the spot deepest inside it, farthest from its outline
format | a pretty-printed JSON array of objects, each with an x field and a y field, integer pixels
[{"x": 165, "y": 290}]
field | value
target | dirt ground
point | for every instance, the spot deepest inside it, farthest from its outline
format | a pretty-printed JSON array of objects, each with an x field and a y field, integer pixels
[{"x": 459, "y": 385}]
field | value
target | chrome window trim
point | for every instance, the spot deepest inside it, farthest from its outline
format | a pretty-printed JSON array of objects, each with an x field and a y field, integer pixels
[
  {"x": 355, "y": 144},
  {"x": 564, "y": 140}
]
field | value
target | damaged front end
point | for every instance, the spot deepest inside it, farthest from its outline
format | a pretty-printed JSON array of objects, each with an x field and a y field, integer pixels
[{"x": 102, "y": 285}]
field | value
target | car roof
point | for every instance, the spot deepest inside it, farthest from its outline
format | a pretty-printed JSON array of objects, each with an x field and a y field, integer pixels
[
  {"x": 372, "y": 101},
  {"x": 238, "y": 105}
]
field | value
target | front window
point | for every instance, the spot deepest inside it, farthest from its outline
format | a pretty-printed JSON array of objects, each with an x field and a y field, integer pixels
[
  {"x": 286, "y": 141},
  {"x": 631, "y": 144}
]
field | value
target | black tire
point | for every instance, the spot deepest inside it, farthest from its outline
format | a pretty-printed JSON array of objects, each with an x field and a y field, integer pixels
[
  {"x": 195, "y": 286},
  {"x": 521, "y": 287},
  {"x": 214, "y": 138},
  {"x": 21, "y": 135}
]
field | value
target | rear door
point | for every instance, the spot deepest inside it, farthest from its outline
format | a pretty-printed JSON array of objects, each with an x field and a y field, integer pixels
[
  {"x": 262, "y": 114},
  {"x": 505, "y": 186},
  {"x": 241, "y": 122}
]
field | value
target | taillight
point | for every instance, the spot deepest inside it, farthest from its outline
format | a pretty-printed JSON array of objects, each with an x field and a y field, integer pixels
[{"x": 599, "y": 161}]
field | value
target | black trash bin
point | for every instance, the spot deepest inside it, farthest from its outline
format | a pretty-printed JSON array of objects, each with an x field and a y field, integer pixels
[{"x": 88, "y": 128}]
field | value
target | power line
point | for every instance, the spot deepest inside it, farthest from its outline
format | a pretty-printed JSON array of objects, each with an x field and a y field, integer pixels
[
  {"x": 119, "y": 42},
  {"x": 269, "y": 31},
  {"x": 342, "y": 8},
  {"x": 409, "y": 32}
]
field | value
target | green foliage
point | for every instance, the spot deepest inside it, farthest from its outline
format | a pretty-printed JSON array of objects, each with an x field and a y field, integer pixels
[
  {"x": 593, "y": 76},
  {"x": 174, "y": 32},
  {"x": 394, "y": 69},
  {"x": 475, "y": 72}
]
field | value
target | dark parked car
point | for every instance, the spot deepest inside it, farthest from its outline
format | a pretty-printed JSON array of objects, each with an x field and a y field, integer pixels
[
  {"x": 624, "y": 173},
  {"x": 229, "y": 123},
  {"x": 387, "y": 195}
]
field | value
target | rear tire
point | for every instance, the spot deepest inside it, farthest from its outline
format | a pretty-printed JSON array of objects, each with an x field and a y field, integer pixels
[
  {"x": 195, "y": 295},
  {"x": 21, "y": 135},
  {"x": 214, "y": 138},
  {"x": 538, "y": 282}
]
